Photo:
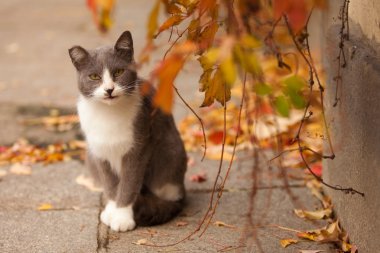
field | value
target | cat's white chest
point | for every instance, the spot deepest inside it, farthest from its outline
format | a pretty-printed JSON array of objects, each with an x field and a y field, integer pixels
[{"x": 109, "y": 129}]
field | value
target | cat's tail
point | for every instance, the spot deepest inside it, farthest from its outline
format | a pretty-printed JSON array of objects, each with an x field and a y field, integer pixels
[{"x": 150, "y": 210}]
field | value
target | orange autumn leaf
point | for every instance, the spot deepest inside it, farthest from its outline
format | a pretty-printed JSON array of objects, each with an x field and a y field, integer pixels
[
  {"x": 167, "y": 72},
  {"x": 286, "y": 242},
  {"x": 206, "y": 5},
  {"x": 101, "y": 12},
  {"x": 172, "y": 21},
  {"x": 153, "y": 20},
  {"x": 295, "y": 10}
]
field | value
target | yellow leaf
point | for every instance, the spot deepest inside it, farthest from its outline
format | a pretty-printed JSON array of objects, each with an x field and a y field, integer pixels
[
  {"x": 308, "y": 235},
  {"x": 229, "y": 71},
  {"x": 44, "y": 207},
  {"x": 204, "y": 80},
  {"x": 142, "y": 242},
  {"x": 3, "y": 173},
  {"x": 314, "y": 215},
  {"x": 222, "y": 224},
  {"x": 209, "y": 59},
  {"x": 21, "y": 169},
  {"x": 216, "y": 90},
  {"x": 286, "y": 242},
  {"x": 172, "y": 21},
  {"x": 153, "y": 20},
  {"x": 88, "y": 183},
  {"x": 249, "y": 41}
]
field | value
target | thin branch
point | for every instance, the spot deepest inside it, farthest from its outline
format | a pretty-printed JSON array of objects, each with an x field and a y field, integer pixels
[
  {"x": 199, "y": 119},
  {"x": 297, "y": 138}
]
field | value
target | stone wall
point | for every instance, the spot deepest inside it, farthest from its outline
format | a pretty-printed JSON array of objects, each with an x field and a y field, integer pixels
[{"x": 355, "y": 122}]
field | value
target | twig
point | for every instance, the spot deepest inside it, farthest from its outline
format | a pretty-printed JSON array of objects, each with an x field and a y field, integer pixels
[
  {"x": 199, "y": 119},
  {"x": 297, "y": 138}
]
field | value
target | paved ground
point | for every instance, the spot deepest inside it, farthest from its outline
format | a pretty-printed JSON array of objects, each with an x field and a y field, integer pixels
[{"x": 35, "y": 75}]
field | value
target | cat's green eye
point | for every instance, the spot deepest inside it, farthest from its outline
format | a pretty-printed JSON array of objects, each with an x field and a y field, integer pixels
[
  {"x": 118, "y": 72},
  {"x": 94, "y": 77}
]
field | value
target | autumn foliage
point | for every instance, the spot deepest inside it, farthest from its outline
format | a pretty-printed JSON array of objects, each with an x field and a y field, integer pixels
[{"x": 229, "y": 39}]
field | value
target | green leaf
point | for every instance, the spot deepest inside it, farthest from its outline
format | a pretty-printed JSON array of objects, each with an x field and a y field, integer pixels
[
  {"x": 293, "y": 87},
  {"x": 282, "y": 106},
  {"x": 297, "y": 100},
  {"x": 262, "y": 89},
  {"x": 295, "y": 83}
]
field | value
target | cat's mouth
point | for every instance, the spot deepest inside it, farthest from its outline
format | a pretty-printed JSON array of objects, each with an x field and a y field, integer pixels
[{"x": 111, "y": 97}]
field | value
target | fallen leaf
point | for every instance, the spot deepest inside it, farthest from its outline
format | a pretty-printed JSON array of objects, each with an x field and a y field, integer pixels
[
  {"x": 21, "y": 169},
  {"x": 3, "y": 173},
  {"x": 45, "y": 207},
  {"x": 198, "y": 178},
  {"x": 310, "y": 251},
  {"x": 143, "y": 242},
  {"x": 222, "y": 224},
  {"x": 181, "y": 223},
  {"x": 286, "y": 242},
  {"x": 330, "y": 233},
  {"x": 87, "y": 182},
  {"x": 314, "y": 215}
]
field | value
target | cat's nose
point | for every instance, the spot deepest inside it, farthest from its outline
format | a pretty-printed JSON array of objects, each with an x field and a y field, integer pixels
[{"x": 109, "y": 91}]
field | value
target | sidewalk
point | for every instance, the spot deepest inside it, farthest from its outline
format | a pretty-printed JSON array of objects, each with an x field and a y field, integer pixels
[{"x": 36, "y": 74}]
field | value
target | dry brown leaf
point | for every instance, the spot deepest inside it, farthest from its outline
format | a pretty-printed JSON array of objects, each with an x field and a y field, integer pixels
[
  {"x": 314, "y": 215},
  {"x": 45, "y": 207},
  {"x": 330, "y": 233},
  {"x": 286, "y": 242},
  {"x": 142, "y": 241},
  {"x": 222, "y": 224},
  {"x": 21, "y": 169},
  {"x": 310, "y": 251},
  {"x": 88, "y": 183},
  {"x": 181, "y": 223}
]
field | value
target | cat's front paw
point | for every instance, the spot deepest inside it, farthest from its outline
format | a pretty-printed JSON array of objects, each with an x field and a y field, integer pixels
[
  {"x": 122, "y": 219},
  {"x": 106, "y": 215}
]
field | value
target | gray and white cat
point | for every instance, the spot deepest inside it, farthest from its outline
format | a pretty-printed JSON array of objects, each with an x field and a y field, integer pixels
[{"x": 134, "y": 150}]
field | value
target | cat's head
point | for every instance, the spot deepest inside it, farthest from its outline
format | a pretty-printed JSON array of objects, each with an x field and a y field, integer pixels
[{"x": 106, "y": 74}]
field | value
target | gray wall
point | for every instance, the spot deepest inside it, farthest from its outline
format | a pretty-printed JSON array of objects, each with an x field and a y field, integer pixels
[{"x": 355, "y": 122}]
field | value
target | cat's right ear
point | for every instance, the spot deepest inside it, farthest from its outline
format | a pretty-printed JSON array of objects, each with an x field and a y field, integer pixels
[{"x": 78, "y": 56}]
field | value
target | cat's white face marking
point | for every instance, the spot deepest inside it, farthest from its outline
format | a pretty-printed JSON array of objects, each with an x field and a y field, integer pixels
[
  {"x": 108, "y": 84},
  {"x": 118, "y": 218},
  {"x": 168, "y": 192}
]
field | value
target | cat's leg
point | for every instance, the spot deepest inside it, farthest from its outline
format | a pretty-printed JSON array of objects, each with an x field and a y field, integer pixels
[
  {"x": 131, "y": 179},
  {"x": 109, "y": 182}
]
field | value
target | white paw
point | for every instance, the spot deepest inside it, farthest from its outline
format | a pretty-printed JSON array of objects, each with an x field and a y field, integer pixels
[
  {"x": 122, "y": 219},
  {"x": 106, "y": 215}
]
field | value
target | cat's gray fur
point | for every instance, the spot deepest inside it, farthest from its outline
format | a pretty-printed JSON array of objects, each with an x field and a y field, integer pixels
[{"x": 157, "y": 156}]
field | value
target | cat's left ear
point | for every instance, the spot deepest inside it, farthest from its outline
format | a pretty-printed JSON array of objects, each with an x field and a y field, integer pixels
[{"x": 125, "y": 44}]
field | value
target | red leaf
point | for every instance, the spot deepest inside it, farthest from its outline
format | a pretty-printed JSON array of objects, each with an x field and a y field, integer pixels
[
  {"x": 295, "y": 10},
  {"x": 317, "y": 169},
  {"x": 216, "y": 137},
  {"x": 198, "y": 178}
]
